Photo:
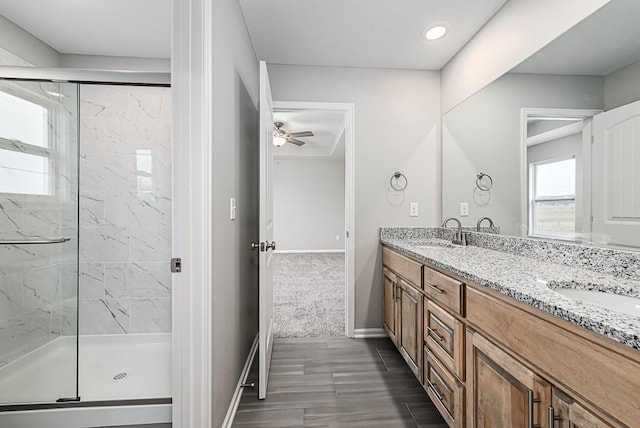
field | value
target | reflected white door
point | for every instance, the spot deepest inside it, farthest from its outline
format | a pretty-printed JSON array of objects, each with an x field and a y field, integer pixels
[
  {"x": 266, "y": 232},
  {"x": 616, "y": 176}
]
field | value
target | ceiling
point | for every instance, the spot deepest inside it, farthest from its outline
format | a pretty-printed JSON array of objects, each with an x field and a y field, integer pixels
[
  {"x": 604, "y": 42},
  {"x": 133, "y": 28},
  {"x": 327, "y": 127},
  {"x": 363, "y": 33}
]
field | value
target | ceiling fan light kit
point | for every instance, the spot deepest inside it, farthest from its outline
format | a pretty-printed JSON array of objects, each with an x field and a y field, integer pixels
[
  {"x": 278, "y": 140},
  {"x": 280, "y": 136}
]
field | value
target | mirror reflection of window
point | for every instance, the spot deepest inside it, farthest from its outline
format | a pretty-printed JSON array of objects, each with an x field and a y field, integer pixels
[
  {"x": 553, "y": 198},
  {"x": 24, "y": 146}
]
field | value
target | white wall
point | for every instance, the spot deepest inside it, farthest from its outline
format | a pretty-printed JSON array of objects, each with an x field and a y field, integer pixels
[
  {"x": 26, "y": 46},
  {"x": 483, "y": 135},
  {"x": 622, "y": 87},
  {"x": 308, "y": 204},
  {"x": 397, "y": 119},
  {"x": 518, "y": 30}
]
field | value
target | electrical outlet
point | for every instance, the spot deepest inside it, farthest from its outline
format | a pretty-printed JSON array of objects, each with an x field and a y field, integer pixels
[
  {"x": 232, "y": 208},
  {"x": 413, "y": 209},
  {"x": 464, "y": 209}
]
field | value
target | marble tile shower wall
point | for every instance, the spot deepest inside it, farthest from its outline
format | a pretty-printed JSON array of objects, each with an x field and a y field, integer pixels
[
  {"x": 36, "y": 279},
  {"x": 125, "y": 210}
]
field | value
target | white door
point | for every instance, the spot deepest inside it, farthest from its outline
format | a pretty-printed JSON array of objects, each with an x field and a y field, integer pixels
[
  {"x": 266, "y": 232},
  {"x": 616, "y": 177}
]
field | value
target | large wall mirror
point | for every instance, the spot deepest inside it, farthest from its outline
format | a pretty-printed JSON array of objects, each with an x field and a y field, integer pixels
[{"x": 559, "y": 136}]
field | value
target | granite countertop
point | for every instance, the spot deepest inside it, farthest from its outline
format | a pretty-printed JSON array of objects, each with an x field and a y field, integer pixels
[{"x": 526, "y": 279}]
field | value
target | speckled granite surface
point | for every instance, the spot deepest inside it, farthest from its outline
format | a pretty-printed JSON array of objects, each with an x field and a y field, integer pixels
[{"x": 525, "y": 279}]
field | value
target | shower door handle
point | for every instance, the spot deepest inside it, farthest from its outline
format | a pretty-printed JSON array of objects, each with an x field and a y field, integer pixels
[{"x": 271, "y": 245}]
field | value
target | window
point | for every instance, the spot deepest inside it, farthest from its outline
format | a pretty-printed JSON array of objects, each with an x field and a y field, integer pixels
[
  {"x": 553, "y": 198},
  {"x": 25, "y": 153}
]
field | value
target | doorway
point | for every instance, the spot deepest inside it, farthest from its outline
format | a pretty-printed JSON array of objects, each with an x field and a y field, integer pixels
[
  {"x": 556, "y": 150},
  {"x": 313, "y": 221}
]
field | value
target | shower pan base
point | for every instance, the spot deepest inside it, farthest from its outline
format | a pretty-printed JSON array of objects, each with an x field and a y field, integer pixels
[{"x": 111, "y": 367}]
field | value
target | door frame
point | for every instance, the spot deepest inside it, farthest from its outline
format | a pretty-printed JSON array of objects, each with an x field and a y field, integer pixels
[
  {"x": 349, "y": 195},
  {"x": 556, "y": 113}
]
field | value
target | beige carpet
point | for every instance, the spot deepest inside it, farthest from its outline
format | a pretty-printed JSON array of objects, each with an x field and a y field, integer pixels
[{"x": 308, "y": 295}]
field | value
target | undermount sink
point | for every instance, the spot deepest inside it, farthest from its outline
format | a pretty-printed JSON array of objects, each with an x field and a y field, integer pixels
[{"x": 625, "y": 304}]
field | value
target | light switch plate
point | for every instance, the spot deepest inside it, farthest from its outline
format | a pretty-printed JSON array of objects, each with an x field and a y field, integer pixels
[
  {"x": 464, "y": 209},
  {"x": 413, "y": 209},
  {"x": 232, "y": 208}
]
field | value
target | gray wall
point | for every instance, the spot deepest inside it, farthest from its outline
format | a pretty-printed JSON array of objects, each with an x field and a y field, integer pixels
[
  {"x": 622, "y": 87},
  {"x": 483, "y": 134},
  {"x": 26, "y": 46},
  {"x": 308, "y": 204},
  {"x": 397, "y": 119},
  {"x": 234, "y": 286},
  {"x": 518, "y": 30}
]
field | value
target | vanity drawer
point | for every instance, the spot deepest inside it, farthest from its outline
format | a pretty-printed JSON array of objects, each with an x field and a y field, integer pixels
[
  {"x": 443, "y": 289},
  {"x": 444, "y": 336},
  {"x": 445, "y": 392},
  {"x": 403, "y": 266}
]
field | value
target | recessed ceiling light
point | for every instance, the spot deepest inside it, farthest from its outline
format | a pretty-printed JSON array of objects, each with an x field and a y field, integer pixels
[{"x": 434, "y": 33}]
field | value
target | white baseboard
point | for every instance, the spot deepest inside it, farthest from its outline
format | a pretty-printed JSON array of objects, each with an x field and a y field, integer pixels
[
  {"x": 366, "y": 333},
  {"x": 237, "y": 395},
  {"x": 307, "y": 251}
]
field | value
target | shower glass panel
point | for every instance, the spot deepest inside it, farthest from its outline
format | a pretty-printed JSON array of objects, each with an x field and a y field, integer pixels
[
  {"x": 125, "y": 242},
  {"x": 38, "y": 241}
]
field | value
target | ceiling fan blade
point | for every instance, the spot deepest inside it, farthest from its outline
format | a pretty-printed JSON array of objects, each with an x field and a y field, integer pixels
[
  {"x": 296, "y": 142},
  {"x": 300, "y": 134}
]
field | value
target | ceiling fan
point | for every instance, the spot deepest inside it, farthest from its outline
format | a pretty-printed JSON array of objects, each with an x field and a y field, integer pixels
[{"x": 280, "y": 136}]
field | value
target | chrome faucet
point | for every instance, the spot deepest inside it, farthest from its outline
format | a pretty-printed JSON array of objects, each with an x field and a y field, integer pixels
[
  {"x": 460, "y": 237},
  {"x": 480, "y": 221}
]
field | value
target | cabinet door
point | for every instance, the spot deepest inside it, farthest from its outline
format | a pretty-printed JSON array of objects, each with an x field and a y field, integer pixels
[
  {"x": 410, "y": 326},
  {"x": 567, "y": 413},
  {"x": 389, "y": 304},
  {"x": 502, "y": 392}
]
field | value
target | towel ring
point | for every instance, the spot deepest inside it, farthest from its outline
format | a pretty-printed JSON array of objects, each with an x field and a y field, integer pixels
[
  {"x": 484, "y": 182},
  {"x": 396, "y": 182}
]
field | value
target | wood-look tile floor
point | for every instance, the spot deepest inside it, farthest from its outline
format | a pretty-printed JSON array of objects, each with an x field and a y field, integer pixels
[{"x": 337, "y": 382}]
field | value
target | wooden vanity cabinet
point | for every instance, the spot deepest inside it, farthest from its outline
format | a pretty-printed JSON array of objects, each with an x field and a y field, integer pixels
[
  {"x": 444, "y": 337},
  {"x": 604, "y": 376},
  {"x": 489, "y": 361},
  {"x": 447, "y": 291},
  {"x": 446, "y": 392},
  {"x": 410, "y": 338},
  {"x": 565, "y": 412},
  {"x": 402, "y": 306},
  {"x": 389, "y": 304},
  {"x": 502, "y": 392}
]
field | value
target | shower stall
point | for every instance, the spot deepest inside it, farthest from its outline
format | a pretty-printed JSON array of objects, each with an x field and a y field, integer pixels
[{"x": 85, "y": 242}]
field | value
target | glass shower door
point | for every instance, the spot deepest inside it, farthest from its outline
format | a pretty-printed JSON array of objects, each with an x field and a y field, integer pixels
[{"x": 38, "y": 241}]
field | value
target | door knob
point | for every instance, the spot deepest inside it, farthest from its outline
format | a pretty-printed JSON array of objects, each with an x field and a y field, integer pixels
[
  {"x": 256, "y": 245},
  {"x": 271, "y": 245}
]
